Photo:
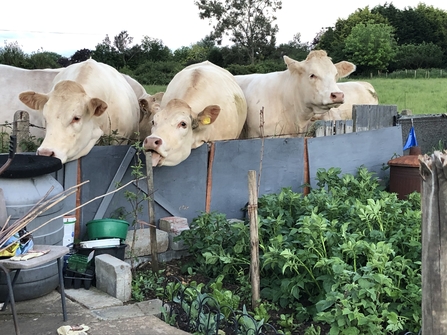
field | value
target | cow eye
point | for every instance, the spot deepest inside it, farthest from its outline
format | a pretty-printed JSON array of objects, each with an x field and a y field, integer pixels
[
  {"x": 182, "y": 124},
  {"x": 312, "y": 76},
  {"x": 153, "y": 122},
  {"x": 76, "y": 119}
]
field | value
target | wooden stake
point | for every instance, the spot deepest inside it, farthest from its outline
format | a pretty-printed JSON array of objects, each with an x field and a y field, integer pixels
[
  {"x": 254, "y": 238},
  {"x": 152, "y": 226},
  {"x": 434, "y": 242},
  {"x": 21, "y": 128}
]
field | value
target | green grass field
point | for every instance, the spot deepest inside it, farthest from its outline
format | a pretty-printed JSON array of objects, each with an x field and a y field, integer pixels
[{"x": 421, "y": 96}]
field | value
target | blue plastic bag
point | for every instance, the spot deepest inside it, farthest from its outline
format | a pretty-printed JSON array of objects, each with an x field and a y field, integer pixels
[{"x": 411, "y": 140}]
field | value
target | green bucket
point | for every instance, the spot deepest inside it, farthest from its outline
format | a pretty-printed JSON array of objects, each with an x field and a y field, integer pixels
[{"x": 107, "y": 228}]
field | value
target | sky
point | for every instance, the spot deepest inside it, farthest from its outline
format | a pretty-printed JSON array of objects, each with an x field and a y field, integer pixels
[{"x": 65, "y": 27}]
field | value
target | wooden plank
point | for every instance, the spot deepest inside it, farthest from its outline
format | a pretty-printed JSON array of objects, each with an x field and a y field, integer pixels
[
  {"x": 434, "y": 305},
  {"x": 319, "y": 128},
  {"x": 340, "y": 127},
  {"x": 328, "y": 128},
  {"x": 349, "y": 126},
  {"x": 370, "y": 117}
]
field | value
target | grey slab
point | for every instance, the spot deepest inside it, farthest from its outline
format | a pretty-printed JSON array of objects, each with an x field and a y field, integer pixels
[
  {"x": 92, "y": 298},
  {"x": 372, "y": 149},
  {"x": 279, "y": 163},
  {"x": 118, "y": 312}
]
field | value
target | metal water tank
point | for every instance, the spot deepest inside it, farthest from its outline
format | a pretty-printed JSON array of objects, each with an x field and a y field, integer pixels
[{"x": 26, "y": 181}]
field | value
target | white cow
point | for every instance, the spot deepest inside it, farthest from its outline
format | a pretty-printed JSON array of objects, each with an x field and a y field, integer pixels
[
  {"x": 292, "y": 97},
  {"x": 148, "y": 104},
  {"x": 202, "y": 103},
  {"x": 356, "y": 93},
  {"x": 14, "y": 80},
  {"x": 87, "y": 100}
]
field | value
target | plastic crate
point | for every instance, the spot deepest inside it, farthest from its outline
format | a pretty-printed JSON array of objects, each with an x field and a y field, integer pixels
[
  {"x": 78, "y": 263},
  {"x": 76, "y": 280}
]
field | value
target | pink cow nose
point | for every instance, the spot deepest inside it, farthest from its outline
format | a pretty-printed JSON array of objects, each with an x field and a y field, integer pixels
[
  {"x": 152, "y": 143},
  {"x": 45, "y": 152},
  {"x": 338, "y": 97}
]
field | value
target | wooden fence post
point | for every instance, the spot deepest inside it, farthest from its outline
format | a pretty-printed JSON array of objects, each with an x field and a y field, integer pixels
[
  {"x": 433, "y": 170},
  {"x": 151, "y": 209},
  {"x": 20, "y": 128},
  {"x": 254, "y": 238}
]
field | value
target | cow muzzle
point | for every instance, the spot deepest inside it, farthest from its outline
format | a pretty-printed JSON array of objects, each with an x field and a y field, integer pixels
[{"x": 337, "y": 97}]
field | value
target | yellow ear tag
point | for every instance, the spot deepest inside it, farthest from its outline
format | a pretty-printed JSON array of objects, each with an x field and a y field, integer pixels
[{"x": 206, "y": 120}]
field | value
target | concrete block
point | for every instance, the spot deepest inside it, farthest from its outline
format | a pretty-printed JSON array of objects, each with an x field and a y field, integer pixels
[
  {"x": 174, "y": 226},
  {"x": 142, "y": 245},
  {"x": 113, "y": 276}
]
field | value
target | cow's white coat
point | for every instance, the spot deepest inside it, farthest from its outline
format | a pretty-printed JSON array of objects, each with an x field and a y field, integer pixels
[
  {"x": 289, "y": 99},
  {"x": 202, "y": 103},
  {"x": 87, "y": 100}
]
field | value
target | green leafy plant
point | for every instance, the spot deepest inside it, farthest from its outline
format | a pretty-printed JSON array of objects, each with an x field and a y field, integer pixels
[
  {"x": 147, "y": 282},
  {"x": 346, "y": 255}
]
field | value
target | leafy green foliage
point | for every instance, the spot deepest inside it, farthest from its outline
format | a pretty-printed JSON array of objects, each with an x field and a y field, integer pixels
[
  {"x": 249, "y": 24},
  {"x": 147, "y": 282},
  {"x": 371, "y": 46},
  {"x": 347, "y": 254},
  {"x": 418, "y": 56},
  {"x": 219, "y": 246}
]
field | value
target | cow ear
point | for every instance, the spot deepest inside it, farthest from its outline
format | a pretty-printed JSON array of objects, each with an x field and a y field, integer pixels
[
  {"x": 208, "y": 115},
  {"x": 155, "y": 108},
  {"x": 33, "y": 100},
  {"x": 344, "y": 68},
  {"x": 289, "y": 61},
  {"x": 292, "y": 65},
  {"x": 97, "y": 106},
  {"x": 144, "y": 106}
]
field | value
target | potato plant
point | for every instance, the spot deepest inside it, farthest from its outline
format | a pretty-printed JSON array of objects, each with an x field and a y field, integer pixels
[{"x": 346, "y": 255}]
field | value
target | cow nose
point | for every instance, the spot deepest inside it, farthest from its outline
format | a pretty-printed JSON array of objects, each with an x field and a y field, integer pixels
[
  {"x": 152, "y": 143},
  {"x": 337, "y": 97},
  {"x": 45, "y": 152}
]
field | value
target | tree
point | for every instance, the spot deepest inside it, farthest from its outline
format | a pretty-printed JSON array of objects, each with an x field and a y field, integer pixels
[
  {"x": 332, "y": 39},
  {"x": 106, "y": 53},
  {"x": 418, "y": 56},
  {"x": 12, "y": 54},
  {"x": 371, "y": 46},
  {"x": 80, "y": 56},
  {"x": 154, "y": 49},
  {"x": 247, "y": 23},
  {"x": 122, "y": 43},
  {"x": 44, "y": 60},
  {"x": 294, "y": 49}
]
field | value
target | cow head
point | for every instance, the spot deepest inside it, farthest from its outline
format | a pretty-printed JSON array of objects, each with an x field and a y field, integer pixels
[
  {"x": 316, "y": 79},
  {"x": 71, "y": 128},
  {"x": 147, "y": 108},
  {"x": 174, "y": 129}
]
